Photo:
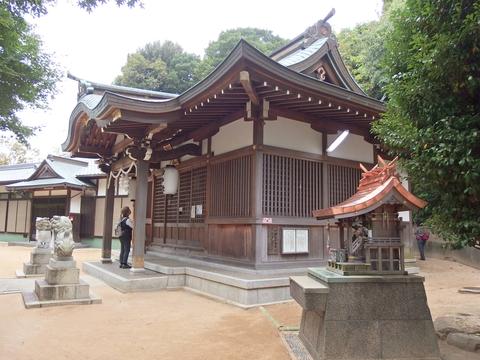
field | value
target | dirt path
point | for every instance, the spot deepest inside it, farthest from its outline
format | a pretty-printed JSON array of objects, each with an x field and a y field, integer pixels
[{"x": 174, "y": 324}]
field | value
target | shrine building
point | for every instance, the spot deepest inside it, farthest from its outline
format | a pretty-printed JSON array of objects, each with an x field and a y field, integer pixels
[{"x": 258, "y": 144}]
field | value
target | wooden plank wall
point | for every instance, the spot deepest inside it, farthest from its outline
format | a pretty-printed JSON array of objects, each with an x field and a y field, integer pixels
[
  {"x": 231, "y": 187},
  {"x": 291, "y": 186},
  {"x": 343, "y": 182}
]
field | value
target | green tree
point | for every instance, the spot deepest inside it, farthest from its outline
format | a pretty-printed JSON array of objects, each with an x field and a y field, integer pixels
[
  {"x": 363, "y": 48},
  {"x": 217, "y": 50},
  {"x": 433, "y": 114},
  {"x": 14, "y": 152},
  {"x": 161, "y": 67},
  {"x": 27, "y": 73}
]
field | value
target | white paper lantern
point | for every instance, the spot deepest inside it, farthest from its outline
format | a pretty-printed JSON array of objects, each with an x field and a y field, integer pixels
[{"x": 170, "y": 180}]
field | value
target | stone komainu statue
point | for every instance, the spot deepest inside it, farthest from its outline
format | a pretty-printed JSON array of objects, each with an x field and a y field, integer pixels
[{"x": 62, "y": 228}]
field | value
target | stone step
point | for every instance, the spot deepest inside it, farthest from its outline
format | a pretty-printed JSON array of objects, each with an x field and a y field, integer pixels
[
  {"x": 34, "y": 269},
  {"x": 46, "y": 291}
]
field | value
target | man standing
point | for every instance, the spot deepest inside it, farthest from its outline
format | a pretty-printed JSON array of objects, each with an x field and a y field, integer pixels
[{"x": 422, "y": 235}]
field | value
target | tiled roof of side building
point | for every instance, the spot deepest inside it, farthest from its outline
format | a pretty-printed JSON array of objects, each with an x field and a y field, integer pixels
[
  {"x": 17, "y": 172},
  {"x": 65, "y": 172}
]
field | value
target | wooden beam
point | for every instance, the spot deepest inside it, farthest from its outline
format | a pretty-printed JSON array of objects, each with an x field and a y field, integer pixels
[
  {"x": 319, "y": 123},
  {"x": 94, "y": 150},
  {"x": 247, "y": 86},
  {"x": 120, "y": 146},
  {"x": 121, "y": 163},
  {"x": 154, "y": 129},
  {"x": 187, "y": 149}
]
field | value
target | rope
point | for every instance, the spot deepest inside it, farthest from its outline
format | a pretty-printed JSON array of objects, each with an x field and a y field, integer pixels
[{"x": 121, "y": 172}]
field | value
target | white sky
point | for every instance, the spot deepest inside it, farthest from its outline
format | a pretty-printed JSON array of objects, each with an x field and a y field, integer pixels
[{"x": 95, "y": 46}]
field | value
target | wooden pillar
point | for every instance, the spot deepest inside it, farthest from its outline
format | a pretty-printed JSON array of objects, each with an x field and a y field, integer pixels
[
  {"x": 325, "y": 182},
  {"x": 141, "y": 194},
  {"x": 257, "y": 191},
  {"x": 108, "y": 223}
]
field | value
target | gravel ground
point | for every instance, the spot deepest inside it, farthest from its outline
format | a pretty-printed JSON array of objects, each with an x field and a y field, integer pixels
[{"x": 175, "y": 324}]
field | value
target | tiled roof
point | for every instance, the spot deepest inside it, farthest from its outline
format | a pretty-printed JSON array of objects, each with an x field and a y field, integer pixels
[
  {"x": 302, "y": 54},
  {"x": 377, "y": 186},
  {"x": 66, "y": 171},
  {"x": 12, "y": 173}
]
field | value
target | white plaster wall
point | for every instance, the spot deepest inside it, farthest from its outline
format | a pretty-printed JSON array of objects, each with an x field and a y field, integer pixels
[
  {"x": 12, "y": 216},
  {"x": 22, "y": 216},
  {"x": 354, "y": 147},
  {"x": 102, "y": 187},
  {"x": 75, "y": 201},
  {"x": 204, "y": 146},
  {"x": 3, "y": 215},
  {"x": 232, "y": 136},
  {"x": 293, "y": 135},
  {"x": 405, "y": 215},
  {"x": 99, "y": 211}
]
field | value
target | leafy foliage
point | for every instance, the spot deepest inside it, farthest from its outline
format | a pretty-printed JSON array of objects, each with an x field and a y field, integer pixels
[
  {"x": 362, "y": 48},
  {"x": 161, "y": 67},
  {"x": 433, "y": 116},
  {"x": 166, "y": 67},
  {"x": 28, "y": 75},
  {"x": 14, "y": 152},
  {"x": 217, "y": 50}
]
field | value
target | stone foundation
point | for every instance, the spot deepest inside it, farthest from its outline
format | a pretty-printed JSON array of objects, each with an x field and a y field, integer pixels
[
  {"x": 61, "y": 286},
  {"x": 364, "y": 317},
  {"x": 39, "y": 259}
]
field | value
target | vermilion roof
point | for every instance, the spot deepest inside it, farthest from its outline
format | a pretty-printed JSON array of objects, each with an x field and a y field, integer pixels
[{"x": 378, "y": 186}]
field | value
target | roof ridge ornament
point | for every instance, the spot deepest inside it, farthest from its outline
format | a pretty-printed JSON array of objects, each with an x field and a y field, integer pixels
[{"x": 320, "y": 29}]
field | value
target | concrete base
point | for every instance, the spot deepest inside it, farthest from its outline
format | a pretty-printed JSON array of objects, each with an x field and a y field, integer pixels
[
  {"x": 61, "y": 286},
  {"x": 123, "y": 279},
  {"x": 31, "y": 301},
  {"x": 240, "y": 288},
  {"x": 364, "y": 317},
  {"x": 39, "y": 259}
]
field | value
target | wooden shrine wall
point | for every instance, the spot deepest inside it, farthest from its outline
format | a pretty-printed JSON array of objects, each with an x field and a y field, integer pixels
[{"x": 213, "y": 212}]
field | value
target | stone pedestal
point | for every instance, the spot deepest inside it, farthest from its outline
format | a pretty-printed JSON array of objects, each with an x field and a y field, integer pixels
[
  {"x": 39, "y": 258},
  {"x": 364, "y": 316},
  {"x": 61, "y": 286}
]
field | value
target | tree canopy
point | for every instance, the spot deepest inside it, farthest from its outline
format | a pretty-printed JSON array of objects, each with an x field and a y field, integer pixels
[
  {"x": 166, "y": 67},
  {"x": 28, "y": 74},
  {"x": 216, "y": 51},
  {"x": 162, "y": 67},
  {"x": 433, "y": 113},
  {"x": 362, "y": 48}
]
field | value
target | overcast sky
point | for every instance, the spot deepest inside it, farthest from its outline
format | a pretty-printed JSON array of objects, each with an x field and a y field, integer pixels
[{"x": 95, "y": 46}]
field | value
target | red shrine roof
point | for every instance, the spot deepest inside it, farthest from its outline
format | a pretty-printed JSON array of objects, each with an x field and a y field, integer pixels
[{"x": 381, "y": 185}]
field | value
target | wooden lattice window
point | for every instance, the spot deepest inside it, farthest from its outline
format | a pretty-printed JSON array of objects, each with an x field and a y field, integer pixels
[
  {"x": 191, "y": 192},
  {"x": 291, "y": 187},
  {"x": 230, "y": 187},
  {"x": 343, "y": 182}
]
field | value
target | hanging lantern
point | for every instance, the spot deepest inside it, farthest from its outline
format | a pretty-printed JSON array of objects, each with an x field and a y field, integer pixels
[
  {"x": 170, "y": 180},
  {"x": 123, "y": 184}
]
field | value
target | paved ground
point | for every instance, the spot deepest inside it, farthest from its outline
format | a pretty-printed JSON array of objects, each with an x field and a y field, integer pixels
[{"x": 174, "y": 324}]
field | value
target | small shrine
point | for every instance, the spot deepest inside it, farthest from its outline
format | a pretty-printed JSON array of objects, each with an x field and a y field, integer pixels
[
  {"x": 369, "y": 223},
  {"x": 363, "y": 304}
]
